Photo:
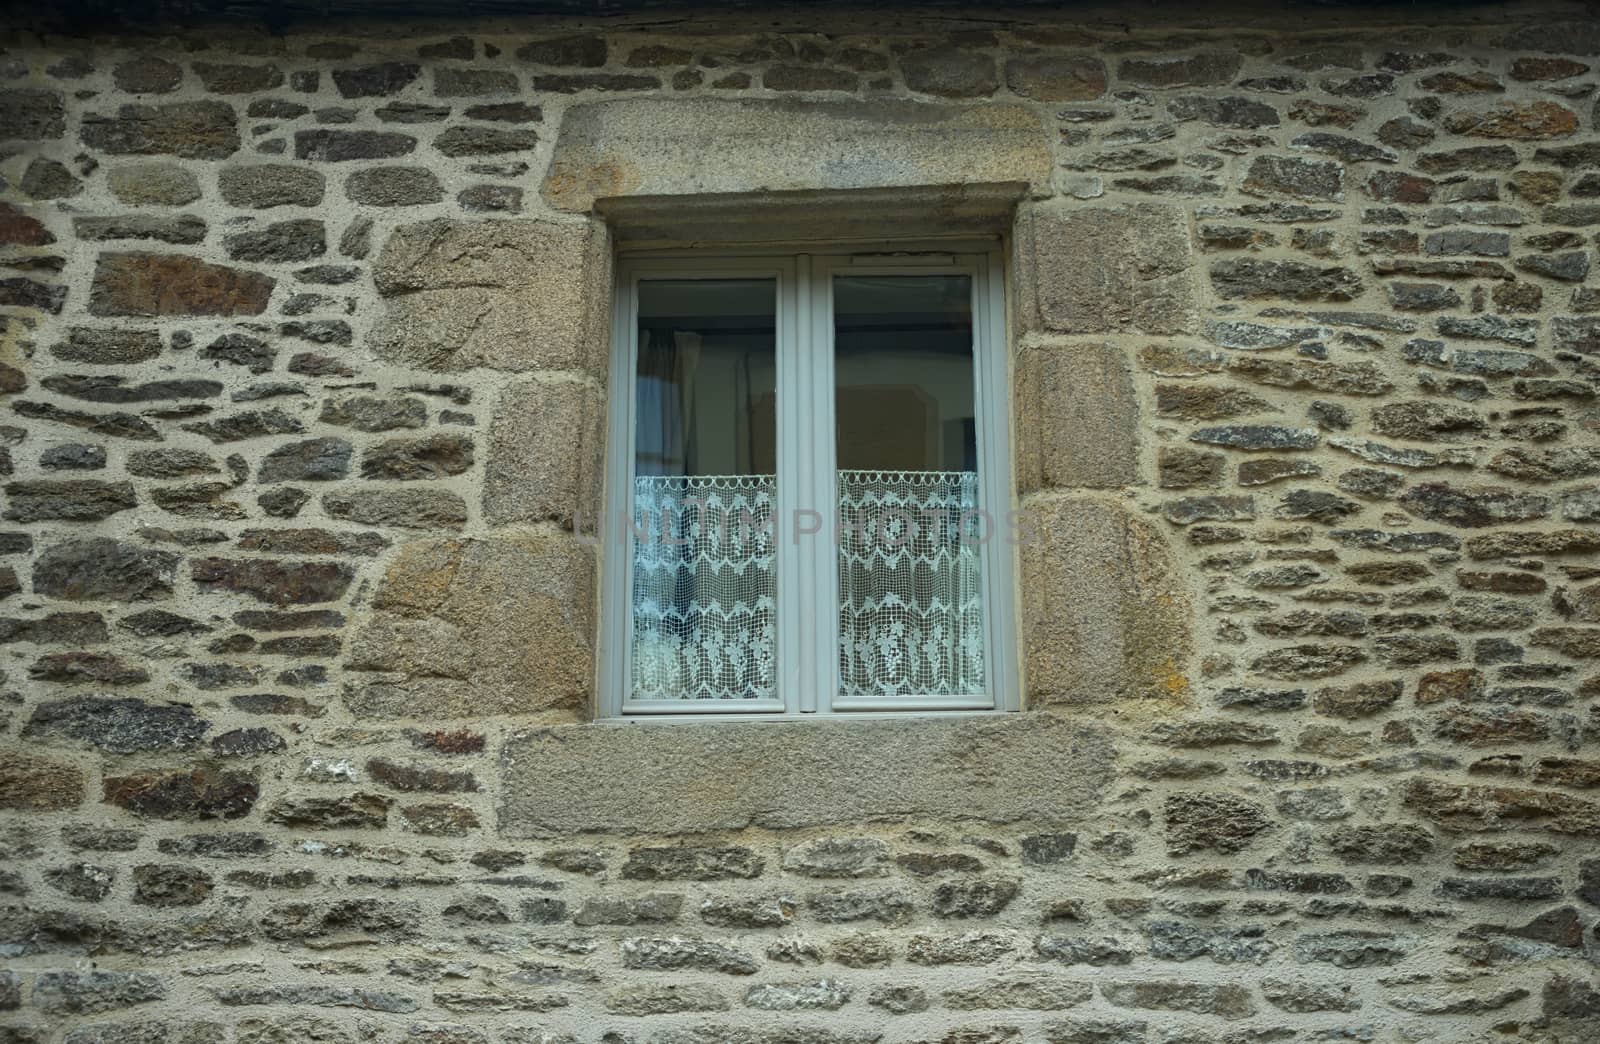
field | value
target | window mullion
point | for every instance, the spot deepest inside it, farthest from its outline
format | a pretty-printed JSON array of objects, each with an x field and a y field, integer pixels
[
  {"x": 823, "y": 566},
  {"x": 793, "y": 654}
]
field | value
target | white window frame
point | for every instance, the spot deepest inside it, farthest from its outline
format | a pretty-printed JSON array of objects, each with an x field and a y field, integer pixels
[{"x": 807, "y": 569}]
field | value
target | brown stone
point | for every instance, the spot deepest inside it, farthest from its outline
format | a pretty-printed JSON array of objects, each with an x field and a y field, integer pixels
[
  {"x": 512, "y": 295},
  {"x": 478, "y": 627},
  {"x": 174, "y": 284},
  {"x": 201, "y": 793},
  {"x": 1516, "y": 120},
  {"x": 1140, "y": 282},
  {"x": 1056, "y": 78},
  {"x": 29, "y": 783},
  {"x": 1076, "y": 417},
  {"x": 1104, "y": 616},
  {"x": 206, "y": 130},
  {"x": 544, "y": 455}
]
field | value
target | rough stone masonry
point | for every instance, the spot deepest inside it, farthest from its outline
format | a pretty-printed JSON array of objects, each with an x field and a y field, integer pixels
[{"x": 303, "y": 353}]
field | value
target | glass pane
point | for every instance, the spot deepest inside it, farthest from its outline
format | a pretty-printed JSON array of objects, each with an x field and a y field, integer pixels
[
  {"x": 910, "y": 598},
  {"x": 704, "y": 593}
]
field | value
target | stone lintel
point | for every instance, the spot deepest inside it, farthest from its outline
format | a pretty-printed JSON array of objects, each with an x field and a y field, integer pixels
[{"x": 695, "y": 147}]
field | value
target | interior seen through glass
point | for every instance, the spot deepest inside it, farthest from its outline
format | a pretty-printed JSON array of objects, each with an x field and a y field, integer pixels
[
  {"x": 705, "y": 446},
  {"x": 910, "y": 606}
]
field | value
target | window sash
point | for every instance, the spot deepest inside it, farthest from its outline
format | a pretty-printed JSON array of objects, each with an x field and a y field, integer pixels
[{"x": 807, "y": 569}]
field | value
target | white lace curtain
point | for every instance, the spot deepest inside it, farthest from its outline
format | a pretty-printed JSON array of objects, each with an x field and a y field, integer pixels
[{"x": 704, "y": 590}]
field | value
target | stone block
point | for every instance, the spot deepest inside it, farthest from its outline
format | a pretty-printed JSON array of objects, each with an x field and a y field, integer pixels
[
  {"x": 470, "y": 628},
  {"x": 655, "y": 147},
  {"x": 1104, "y": 615},
  {"x": 1086, "y": 270},
  {"x": 689, "y": 778},
  {"x": 545, "y": 454},
  {"x": 508, "y": 295},
  {"x": 174, "y": 284},
  {"x": 1077, "y": 418}
]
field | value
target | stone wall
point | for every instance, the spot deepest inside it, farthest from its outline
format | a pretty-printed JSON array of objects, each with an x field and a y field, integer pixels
[{"x": 304, "y": 361}]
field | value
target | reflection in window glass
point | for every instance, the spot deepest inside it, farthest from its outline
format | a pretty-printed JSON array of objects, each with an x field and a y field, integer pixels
[
  {"x": 910, "y": 599},
  {"x": 704, "y": 594}
]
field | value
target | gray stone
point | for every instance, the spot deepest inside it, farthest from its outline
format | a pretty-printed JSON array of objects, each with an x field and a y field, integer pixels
[
  {"x": 393, "y": 186},
  {"x": 423, "y": 509},
  {"x": 262, "y": 186},
  {"x": 651, "y": 908},
  {"x": 665, "y": 999},
  {"x": 344, "y": 146},
  {"x": 102, "y": 568},
  {"x": 1027, "y": 993},
  {"x": 1305, "y": 997},
  {"x": 1097, "y": 950},
  {"x": 1233, "y": 112},
  {"x": 1204, "y": 69},
  {"x": 512, "y": 295},
  {"x": 779, "y": 777},
  {"x": 672, "y": 147},
  {"x": 1354, "y": 948},
  {"x": 1140, "y": 282},
  {"x": 677, "y": 953},
  {"x": 119, "y": 726},
  {"x": 812, "y": 995},
  {"x": 1294, "y": 177},
  {"x": 1229, "y": 1001},
  {"x": 153, "y": 184},
  {"x": 844, "y": 857},
  {"x": 1242, "y": 278},
  {"x": 47, "y": 179},
  {"x": 315, "y": 460},
  {"x": 692, "y": 863},
  {"x": 298, "y": 240},
  {"x": 89, "y": 992},
  {"x": 72, "y": 500}
]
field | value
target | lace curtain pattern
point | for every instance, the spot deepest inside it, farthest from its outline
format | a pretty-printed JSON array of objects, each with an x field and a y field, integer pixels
[
  {"x": 704, "y": 592},
  {"x": 910, "y": 599}
]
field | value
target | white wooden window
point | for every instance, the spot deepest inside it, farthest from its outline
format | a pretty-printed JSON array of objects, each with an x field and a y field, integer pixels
[{"x": 808, "y": 505}]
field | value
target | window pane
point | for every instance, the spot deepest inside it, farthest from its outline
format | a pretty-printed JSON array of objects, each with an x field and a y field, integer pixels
[
  {"x": 911, "y": 606},
  {"x": 704, "y": 594}
]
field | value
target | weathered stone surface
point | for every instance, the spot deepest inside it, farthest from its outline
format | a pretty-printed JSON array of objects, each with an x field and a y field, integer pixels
[
  {"x": 30, "y": 783},
  {"x": 173, "y": 284},
  {"x": 1071, "y": 398},
  {"x": 203, "y": 130},
  {"x": 1291, "y": 280},
  {"x": 344, "y": 146},
  {"x": 101, "y": 568},
  {"x": 1217, "y": 821},
  {"x": 659, "y": 147},
  {"x": 424, "y": 509},
  {"x": 1104, "y": 617},
  {"x": 1056, "y": 78},
  {"x": 937, "y": 768},
  {"x": 544, "y": 455},
  {"x": 393, "y": 186},
  {"x": 88, "y": 992},
  {"x": 202, "y": 793},
  {"x": 1230, "y": 1001},
  {"x": 513, "y": 295},
  {"x": 1204, "y": 69},
  {"x": 267, "y": 185},
  {"x": 298, "y": 240},
  {"x": 120, "y": 726},
  {"x": 73, "y": 500},
  {"x": 1141, "y": 282},
  {"x": 442, "y": 596}
]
